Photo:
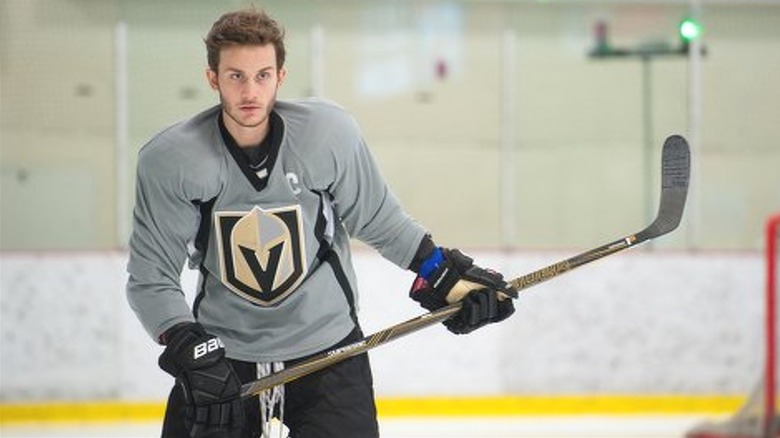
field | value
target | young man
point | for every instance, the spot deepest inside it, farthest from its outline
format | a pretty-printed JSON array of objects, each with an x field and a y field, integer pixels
[{"x": 262, "y": 195}]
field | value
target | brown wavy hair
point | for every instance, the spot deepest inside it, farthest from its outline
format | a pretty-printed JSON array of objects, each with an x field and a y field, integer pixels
[{"x": 247, "y": 27}]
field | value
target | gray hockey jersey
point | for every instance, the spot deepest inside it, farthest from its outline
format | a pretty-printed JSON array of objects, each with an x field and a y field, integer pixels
[{"x": 277, "y": 282}]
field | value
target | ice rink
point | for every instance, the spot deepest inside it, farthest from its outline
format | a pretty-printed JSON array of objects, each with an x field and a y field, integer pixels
[{"x": 515, "y": 427}]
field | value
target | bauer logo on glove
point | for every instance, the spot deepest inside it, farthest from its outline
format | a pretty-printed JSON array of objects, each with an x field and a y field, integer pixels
[{"x": 207, "y": 347}]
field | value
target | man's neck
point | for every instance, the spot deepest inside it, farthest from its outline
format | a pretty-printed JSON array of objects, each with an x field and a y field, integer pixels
[{"x": 246, "y": 136}]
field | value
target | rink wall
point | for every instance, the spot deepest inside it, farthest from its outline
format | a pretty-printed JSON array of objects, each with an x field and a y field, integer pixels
[{"x": 645, "y": 323}]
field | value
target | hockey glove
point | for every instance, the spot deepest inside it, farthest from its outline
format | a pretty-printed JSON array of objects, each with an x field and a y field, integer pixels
[
  {"x": 448, "y": 276},
  {"x": 211, "y": 387}
]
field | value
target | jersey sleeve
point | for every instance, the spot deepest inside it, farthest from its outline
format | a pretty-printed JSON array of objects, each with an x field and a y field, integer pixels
[
  {"x": 368, "y": 208},
  {"x": 165, "y": 221}
]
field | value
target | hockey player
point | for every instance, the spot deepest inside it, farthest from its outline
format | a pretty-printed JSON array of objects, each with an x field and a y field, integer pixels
[{"x": 262, "y": 196}]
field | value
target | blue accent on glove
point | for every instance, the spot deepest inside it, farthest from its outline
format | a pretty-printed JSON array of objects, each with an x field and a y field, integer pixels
[{"x": 431, "y": 264}]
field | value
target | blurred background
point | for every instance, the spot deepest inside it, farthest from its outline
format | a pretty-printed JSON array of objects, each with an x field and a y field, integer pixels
[
  {"x": 493, "y": 104},
  {"x": 521, "y": 130}
]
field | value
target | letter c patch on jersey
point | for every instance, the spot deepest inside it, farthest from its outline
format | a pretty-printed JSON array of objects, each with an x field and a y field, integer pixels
[{"x": 261, "y": 252}]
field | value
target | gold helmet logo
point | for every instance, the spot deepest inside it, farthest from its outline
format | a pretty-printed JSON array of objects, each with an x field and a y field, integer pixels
[{"x": 261, "y": 253}]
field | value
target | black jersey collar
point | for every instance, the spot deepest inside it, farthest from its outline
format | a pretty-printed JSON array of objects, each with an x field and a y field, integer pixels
[{"x": 272, "y": 141}]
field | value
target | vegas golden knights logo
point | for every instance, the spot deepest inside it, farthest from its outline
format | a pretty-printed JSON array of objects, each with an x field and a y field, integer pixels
[{"x": 261, "y": 252}]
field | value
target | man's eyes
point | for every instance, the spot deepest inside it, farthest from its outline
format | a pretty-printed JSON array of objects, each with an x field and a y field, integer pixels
[{"x": 240, "y": 76}]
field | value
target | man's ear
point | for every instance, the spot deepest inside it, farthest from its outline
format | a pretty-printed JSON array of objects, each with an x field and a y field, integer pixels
[
  {"x": 282, "y": 76},
  {"x": 211, "y": 77}
]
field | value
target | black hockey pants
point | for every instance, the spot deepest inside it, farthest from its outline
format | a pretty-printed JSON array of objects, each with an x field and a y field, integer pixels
[{"x": 336, "y": 402}]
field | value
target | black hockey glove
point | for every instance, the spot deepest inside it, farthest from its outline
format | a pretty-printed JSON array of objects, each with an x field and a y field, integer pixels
[
  {"x": 211, "y": 387},
  {"x": 447, "y": 276}
]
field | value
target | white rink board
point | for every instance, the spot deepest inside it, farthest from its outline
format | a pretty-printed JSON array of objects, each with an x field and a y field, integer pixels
[{"x": 640, "y": 322}]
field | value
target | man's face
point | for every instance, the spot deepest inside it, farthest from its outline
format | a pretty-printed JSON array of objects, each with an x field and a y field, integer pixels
[{"x": 247, "y": 81}]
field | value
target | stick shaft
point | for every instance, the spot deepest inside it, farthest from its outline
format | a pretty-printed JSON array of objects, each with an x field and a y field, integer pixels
[
  {"x": 556, "y": 269},
  {"x": 331, "y": 357},
  {"x": 334, "y": 356}
]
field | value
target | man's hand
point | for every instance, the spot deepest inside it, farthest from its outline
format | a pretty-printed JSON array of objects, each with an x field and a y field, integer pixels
[
  {"x": 211, "y": 387},
  {"x": 448, "y": 276}
]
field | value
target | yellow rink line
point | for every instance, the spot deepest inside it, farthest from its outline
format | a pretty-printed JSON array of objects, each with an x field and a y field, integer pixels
[
  {"x": 559, "y": 405},
  {"x": 407, "y": 407}
]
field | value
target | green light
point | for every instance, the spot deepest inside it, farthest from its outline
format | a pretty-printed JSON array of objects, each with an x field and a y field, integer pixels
[{"x": 689, "y": 29}]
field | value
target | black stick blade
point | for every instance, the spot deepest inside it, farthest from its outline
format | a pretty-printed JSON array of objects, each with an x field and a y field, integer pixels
[{"x": 676, "y": 173}]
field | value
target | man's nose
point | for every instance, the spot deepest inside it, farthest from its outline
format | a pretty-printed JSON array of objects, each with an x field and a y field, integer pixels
[{"x": 250, "y": 89}]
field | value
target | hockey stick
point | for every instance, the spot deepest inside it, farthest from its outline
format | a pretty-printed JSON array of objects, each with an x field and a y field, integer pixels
[{"x": 674, "y": 189}]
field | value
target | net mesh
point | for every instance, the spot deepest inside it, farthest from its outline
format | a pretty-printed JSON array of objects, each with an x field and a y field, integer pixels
[{"x": 759, "y": 417}]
